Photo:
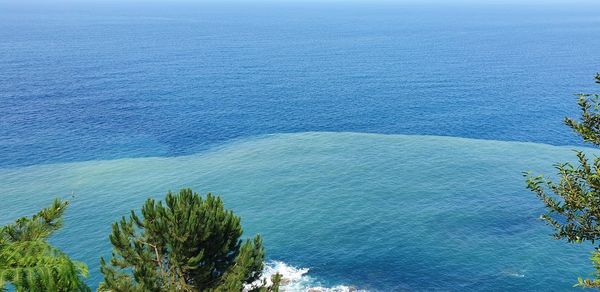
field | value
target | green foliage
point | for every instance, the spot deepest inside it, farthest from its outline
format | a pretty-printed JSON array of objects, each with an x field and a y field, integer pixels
[
  {"x": 573, "y": 202},
  {"x": 29, "y": 263},
  {"x": 187, "y": 244},
  {"x": 589, "y": 126},
  {"x": 592, "y": 283},
  {"x": 39, "y": 227}
]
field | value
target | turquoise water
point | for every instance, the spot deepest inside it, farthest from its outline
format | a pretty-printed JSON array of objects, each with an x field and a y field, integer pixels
[{"x": 381, "y": 212}]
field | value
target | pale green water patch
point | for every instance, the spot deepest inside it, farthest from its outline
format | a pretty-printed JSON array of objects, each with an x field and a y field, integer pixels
[{"x": 377, "y": 211}]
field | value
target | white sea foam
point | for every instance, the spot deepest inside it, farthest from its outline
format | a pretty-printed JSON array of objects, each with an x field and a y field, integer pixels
[
  {"x": 516, "y": 274},
  {"x": 296, "y": 279}
]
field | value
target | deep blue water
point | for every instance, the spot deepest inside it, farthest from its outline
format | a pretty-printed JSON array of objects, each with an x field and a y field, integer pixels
[
  {"x": 86, "y": 89},
  {"x": 99, "y": 81}
]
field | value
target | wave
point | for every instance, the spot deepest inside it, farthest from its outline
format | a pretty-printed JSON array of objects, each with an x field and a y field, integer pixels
[{"x": 295, "y": 279}]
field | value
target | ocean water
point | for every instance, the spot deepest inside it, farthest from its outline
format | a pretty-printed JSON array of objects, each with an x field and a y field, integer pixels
[
  {"x": 85, "y": 80},
  {"x": 375, "y": 145},
  {"x": 377, "y": 212}
]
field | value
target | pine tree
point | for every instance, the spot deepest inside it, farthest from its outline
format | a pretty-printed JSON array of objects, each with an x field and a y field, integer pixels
[
  {"x": 29, "y": 263},
  {"x": 573, "y": 203},
  {"x": 187, "y": 244}
]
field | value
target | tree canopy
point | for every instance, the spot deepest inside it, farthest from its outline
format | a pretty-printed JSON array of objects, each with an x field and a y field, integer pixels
[
  {"x": 29, "y": 263},
  {"x": 573, "y": 201},
  {"x": 187, "y": 244}
]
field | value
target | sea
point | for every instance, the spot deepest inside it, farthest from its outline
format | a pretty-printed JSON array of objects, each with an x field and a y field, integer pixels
[{"x": 374, "y": 145}]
